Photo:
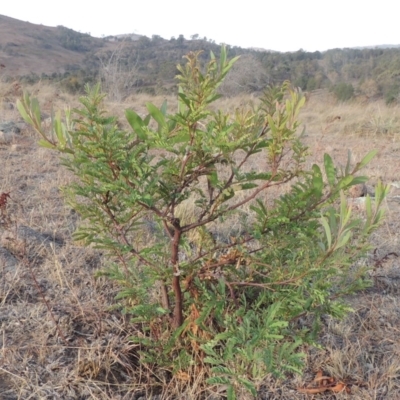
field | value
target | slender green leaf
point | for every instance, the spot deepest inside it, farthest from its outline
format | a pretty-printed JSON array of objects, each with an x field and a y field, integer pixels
[
  {"x": 157, "y": 115},
  {"x": 330, "y": 170},
  {"x": 222, "y": 59},
  {"x": 230, "y": 393},
  {"x": 358, "y": 180},
  {"x": 24, "y": 114},
  {"x": 35, "y": 108},
  {"x": 213, "y": 361},
  {"x": 163, "y": 108},
  {"x": 366, "y": 160},
  {"x": 343, "y": 240},
  {"x": 136, "y": 123},
  {"x": 328, "y": 232},
  {"x": 249, "y": 386},
  {"x": 45, "y": 143},
  {"x": 318, "y": 183}
]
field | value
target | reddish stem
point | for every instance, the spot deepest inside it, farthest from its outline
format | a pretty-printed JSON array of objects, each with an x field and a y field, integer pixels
[{"x": 176, "y": 285}]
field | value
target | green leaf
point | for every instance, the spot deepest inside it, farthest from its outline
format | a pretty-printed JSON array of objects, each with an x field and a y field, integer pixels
[
  {"x": 157, "y": 115},
  {"x": 184, "y": 99},
  {"x": 318, "y": 183},
  {"x": 230, "y": 393},
  {"x": 246, "y": 186},
  {"x": 345, "y": 182},
  {"x": 136, "y": 123},
  {"x": 343, "y": 240},
  {"x": 146, "y": 120},
  {"x": 213, "y": 361},
  {"x": 330, "y": 170},
  {"x": 358, "y": 179},
  {"x": 328, "y": 233},
  {"x": 345, "y": 210},
  {"x": 366, "y": 159},
  {"x": 59, "y": 129},
  {"x": 227, "y": 194},
  {"x": 36, "y": 111},
  {"x": 45, "y": 143},
  {"x": 213, "y": 178},
  {"x": 230, "y": 64},
  {"x": 368, "y": 207},
  {"x": 222, "y": 60},
  {"x": 249, "y": 386},
  {"x": 24, "y": 114},
  {"x": 212, "y": 98},
  {"x": 163, "y": 108}
]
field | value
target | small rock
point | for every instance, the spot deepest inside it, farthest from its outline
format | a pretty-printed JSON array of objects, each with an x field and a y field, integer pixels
[
  {"x": 357, "y": 203},
  {"x": 370, "y": 190},
  {"x": 7, "y": 260},
  {"x": 395, "y": 184},
  {"x": 359, "y": 190},
  {"x": 6, "y": 137},
  {"x": 8, "y": 105},
  {"x": 11, "y": 126}
]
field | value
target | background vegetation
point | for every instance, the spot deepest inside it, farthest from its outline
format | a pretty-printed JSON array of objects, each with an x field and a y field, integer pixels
[
  {"x": 148, "y": 65},
  {"x": 372, "y": 73}
]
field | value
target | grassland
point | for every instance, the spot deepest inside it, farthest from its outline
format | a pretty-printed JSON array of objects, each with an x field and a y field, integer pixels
[{"x": 60, "y": 336}]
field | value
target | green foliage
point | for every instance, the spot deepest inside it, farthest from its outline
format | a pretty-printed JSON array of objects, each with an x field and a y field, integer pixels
[
  {"x": 73, "y": 40},
  {"x": 75, "y": 82},
  {"x": 343, "y": 91},
  {"x": 180, "y": 40},
  {"x": 374, "y": 73},
  {"x": 158, "y": 199},
  {"x": 392, "y": 95}
]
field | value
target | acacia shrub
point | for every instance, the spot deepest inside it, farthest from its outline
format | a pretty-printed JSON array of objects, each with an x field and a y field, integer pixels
[
  {"x": 343, "y": 91},
  {"x": 204, "y": 304}
]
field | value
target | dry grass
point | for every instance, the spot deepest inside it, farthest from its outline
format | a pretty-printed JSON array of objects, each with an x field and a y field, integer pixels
[{"x": 87, "y": 355}]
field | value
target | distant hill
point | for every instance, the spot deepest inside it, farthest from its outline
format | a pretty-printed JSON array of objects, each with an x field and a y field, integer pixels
[
  {"x": 129, "y": 63},
  {"x": 27, "y": 48},
  {"x": 380, "y": 46},
  {"x": 131, "y": 36},
  {"x": 31, "y": 52}
]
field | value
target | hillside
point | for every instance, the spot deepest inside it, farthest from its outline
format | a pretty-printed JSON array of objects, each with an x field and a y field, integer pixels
[
  {"x": 27, "y": 48},
  {"x": 132, "y": 63}
]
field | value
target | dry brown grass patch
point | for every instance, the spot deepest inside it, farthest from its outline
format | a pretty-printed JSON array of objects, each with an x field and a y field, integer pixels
[{"x": 99, "y": 361}]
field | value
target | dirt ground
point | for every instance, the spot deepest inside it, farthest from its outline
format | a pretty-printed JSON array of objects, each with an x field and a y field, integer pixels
[{"x": 59, "y": 338}]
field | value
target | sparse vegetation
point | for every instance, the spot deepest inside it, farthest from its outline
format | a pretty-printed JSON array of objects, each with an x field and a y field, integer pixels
[
  {"x": 373, "y": 73},
  {"x": 360, "y": 350},
  {"x": 76, "y": 41},
  {"x": 221, "y": 306}
]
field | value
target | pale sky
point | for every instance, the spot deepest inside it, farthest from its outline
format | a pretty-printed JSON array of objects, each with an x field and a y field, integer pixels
[{"x": 283, "y": 25}]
